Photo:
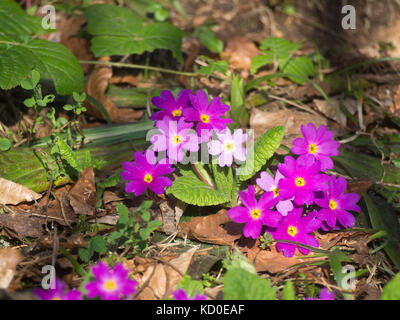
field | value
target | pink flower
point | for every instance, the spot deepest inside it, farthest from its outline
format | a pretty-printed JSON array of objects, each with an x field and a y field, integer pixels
[
  {"x": 175, "y": 138},
  {"x": 296, "y": 228},
  {"x": 145, "y": 173},
  {"x": 228, "y": 147},
  {"x": 335, "y": 204},
  {"x": 269, "y": 184},
  {"x": 317, "y": 143},
  {"x": 110, "y": 284},
  {"x": 180, "y": 294},
  {"x": 255, "y": 213},
  {"x": 59, "y": 293},
  {"x": 324, "y": 295},
  {"x": 207, "y": 115},
  {"x": 169, "y": 106},
  {"x": 301, "y": 179}
]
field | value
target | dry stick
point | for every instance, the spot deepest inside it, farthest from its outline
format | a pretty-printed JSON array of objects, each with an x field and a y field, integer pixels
[{"x": 305, "y": 108}]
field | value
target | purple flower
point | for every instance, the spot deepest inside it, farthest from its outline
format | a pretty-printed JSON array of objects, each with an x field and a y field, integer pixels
[
  {"x": 255, "y": 214},
  {"x": 228, "y": 147},
  {"x": 59, "y": 293},
  {"x": 207, "y": 115},
  {"x": 335, "y": 204},
  {"x": 296, "y": 228},
  {"x": 324, "y": 295},
  {"x": 267, "y": 183},
  {"x": 301, "y": 179},
  {"x": 144, "y": 172},
  {"x": 318, "y": 143},
  {"x": 175, "y": 138},
  {"x": 170, "y": 107},
  {"x": 180, "y": 294},
  {"x": 110, "y": 284}
]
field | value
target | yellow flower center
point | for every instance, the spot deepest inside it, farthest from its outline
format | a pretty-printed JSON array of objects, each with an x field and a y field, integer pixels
[
  {"x": 205, "y": 118},
  {"x": 255, "y": 213},
  {"x": 300, "y": 182},
  {"x": 177, "y": 112},
  {"x": 332, "y": 205},
  {"x": 228, "y": 146},
  {"x": 276, "y": 192},
  {"x": 148, "y": 178},
  {"x": 312, "y": 148},
  {"x": 56, "y": 298},
  {"x": 176, "y": 139},
  {"x": 292, "y": 231},
  {"x": 110, "y": 285}
]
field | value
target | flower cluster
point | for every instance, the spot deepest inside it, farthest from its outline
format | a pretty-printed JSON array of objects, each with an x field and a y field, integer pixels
[
  {"x": 108, "y": 284},
  {"x": 181, "y": 294},
  {"x": 183, "y": 125},
  {"x": 305, "y": 197}
]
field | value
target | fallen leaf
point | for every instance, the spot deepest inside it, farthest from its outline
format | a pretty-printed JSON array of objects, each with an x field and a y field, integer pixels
[
  {"x": 22, "y": 225},
  {"x": 96, "y": 87},
  {"x": 127, "y": 79},
  {"x": 171, "y": 211},
  {"x": 82, "y": 196},
  {"x": 336, "y": 113},
  {"x": 240, "y": 51},
  {"x": 162, "y": 278},
  {"x": 215, "y": 228},
  {"x": 9, "y": 259},
  {"x": 14, "y": 193},
  {"x": 261, "y": 121}
]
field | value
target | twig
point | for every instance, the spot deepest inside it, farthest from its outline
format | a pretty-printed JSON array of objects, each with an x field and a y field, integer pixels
[{"x": 302, "y": 107}]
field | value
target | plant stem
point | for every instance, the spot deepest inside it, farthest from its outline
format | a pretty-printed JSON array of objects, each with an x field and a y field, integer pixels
[
  {"x": 138, "y": 66},
  {"x": 198, "y": 174}
]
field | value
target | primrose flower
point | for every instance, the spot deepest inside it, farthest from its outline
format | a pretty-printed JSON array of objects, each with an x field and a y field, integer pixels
[
  {"x": 335, "y": 204},
  {"x": 59, "y": 293},
  {"x": 145, "y": 173},
  {"x": 208, "y": 115},
  {"x": 175, "y": 138},
  {"x": 267, "y": 183},
  {"x": 228, "y": 147},
  {"x": 301, "y": 179},
  {"x": 296, "y": 228},
  {"x": 169, "y": 106},
  {"x": 255, "y": 213},
  {"x": 324, "y": 295},
  {"x": 110, "y": 284},
  {"x": 180, "y": 294},
  {"x": 318, "y": 143}
]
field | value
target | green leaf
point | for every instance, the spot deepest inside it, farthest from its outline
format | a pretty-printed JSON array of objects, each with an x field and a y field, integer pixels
[
  {"x": 280, "y": 48},
  {"x": 289, "y": 292},
  {"x": 190, "y": 189},
  {"x": 213, "y": 66},
  {"x": 15, "y": 64},
  {"x": 300, "y": 69},
  {"x": 191, "y": 287},
  {"x": 99, "y": 244},
  {"x": 224, "y": 181},
  {"x": 239, "y": 114},
  {"x": 119, "y": 32},
  {"x": 84, "y": 254},
  {"x": 335, "y": 260},
  {"x": 385, "y": 219},
  {"x": 57, "y": 62},
  {"x": 264, "y": 148},
  {"x": 154, "y": 224},
  {"x": 5, "y": 144},
  {"x": 67, "y": 154},
  {"x": 240, "y": 284},
  {"x": 391, "y": 291},
  {"x": 123, "y": 214},
  {"x": 144, "y": 233},
  {"x": 145, "y": 215},
  {"x": 260, "y": 61},
  {"x": 208, "y": 38}
]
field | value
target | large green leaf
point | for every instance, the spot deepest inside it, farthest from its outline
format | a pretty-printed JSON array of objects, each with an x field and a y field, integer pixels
[
  {"x": 240, "y": 284},
  {"x": 192, "y": 190},
  {"x": 300, "y": 69},
  {"x": 225, "y": 182},
  {"x": 392, "y": 289},
  {"x": 119, "y": 32},
  {"x": 15, "y": 64},
  {"x": 264, "y": 148},
  {"x": 56, "y": 61}
]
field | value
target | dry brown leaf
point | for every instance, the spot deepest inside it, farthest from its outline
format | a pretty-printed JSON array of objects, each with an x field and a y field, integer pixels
[
  {"x": 336, "y": 113},
  {"x": 128, "y": 79},
  {"x": 171, "y": 212},
  {"x": 262, "y": 121},
  {"x": 14, "y": 193},
  {"x": 163, "y": 279},
  {"x": 215, "y": 228},
  {"x": 96, "y": 87},
  {"x": 9, "y": 259},
  {"x": 22, "y": 225},
  {"x": 240, "y": 51},
  {"x": 82, "y": 196}
]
